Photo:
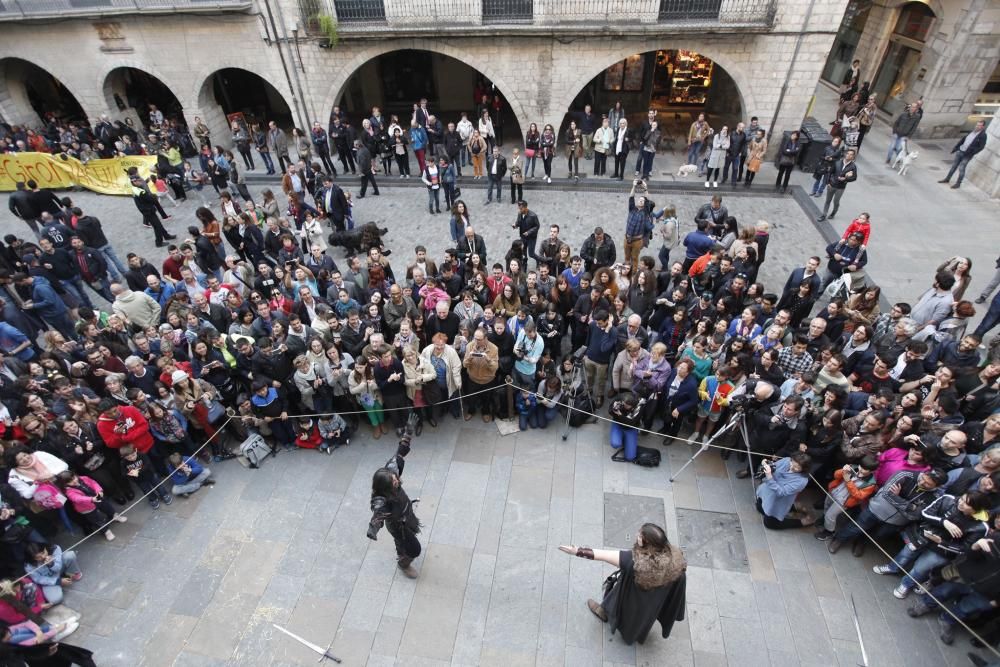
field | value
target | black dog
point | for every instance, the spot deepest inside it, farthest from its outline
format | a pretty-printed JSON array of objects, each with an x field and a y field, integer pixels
[{"x": 360, "y": 239}]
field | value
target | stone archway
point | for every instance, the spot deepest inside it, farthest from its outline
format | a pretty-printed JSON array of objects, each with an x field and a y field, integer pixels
[
  {"x": 28, "y": 91},
  {"x": 726, "y": 58},
  {"x": 132, "y": 85},
  {"x": 347, "y": 69},
  {"x": 213, "y": 110}
]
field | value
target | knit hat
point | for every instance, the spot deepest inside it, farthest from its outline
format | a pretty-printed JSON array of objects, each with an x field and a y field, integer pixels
[{"x": 177, "y": 376}]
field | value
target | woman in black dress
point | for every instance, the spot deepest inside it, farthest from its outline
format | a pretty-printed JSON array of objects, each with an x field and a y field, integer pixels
[{"x": 649, "y": 585}]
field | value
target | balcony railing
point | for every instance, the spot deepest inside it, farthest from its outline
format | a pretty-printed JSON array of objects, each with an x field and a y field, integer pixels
[
  {"x": 360, "y": 18},
  {"x": 12, "y": 10}
]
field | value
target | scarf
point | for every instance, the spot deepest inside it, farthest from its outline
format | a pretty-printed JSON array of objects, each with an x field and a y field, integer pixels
[
  {"x": 657, "y": 568},
  {"x": 35, "y": 470}
]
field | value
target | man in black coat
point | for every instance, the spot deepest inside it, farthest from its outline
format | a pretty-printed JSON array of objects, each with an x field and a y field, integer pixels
[
  {"x": 342, "y": 136},
  {"x": 966, "y": 149},
  {"x": 496, "y": 169},
  {"x": 736, "y": 155},
  {"x": 452, "y": 142},
  {"x": 365, "y": 168},
  {"x": 45, "y": 200},
  {"x": 841, "y": 173},
  {"x": 527, "y": 226},
  {"x": 147, "y": 206},
  {"x": 92, "y": 268},
  {"x": 472, "y": 244},
  {"x": 22, "y": 204},
  {"x": 333, "y": 203},
  {"x": 89, "y": 229}
]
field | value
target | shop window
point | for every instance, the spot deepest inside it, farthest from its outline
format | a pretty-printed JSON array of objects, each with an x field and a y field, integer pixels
[{"x": 914, "y": 21}]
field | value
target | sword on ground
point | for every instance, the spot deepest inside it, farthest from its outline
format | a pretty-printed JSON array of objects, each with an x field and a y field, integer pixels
[{"x": 323, "y": 653}]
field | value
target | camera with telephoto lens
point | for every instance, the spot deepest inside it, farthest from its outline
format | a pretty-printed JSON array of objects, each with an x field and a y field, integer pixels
[
  {"x": 746, "y": 401},
  {"x": 579, "y": 354}
]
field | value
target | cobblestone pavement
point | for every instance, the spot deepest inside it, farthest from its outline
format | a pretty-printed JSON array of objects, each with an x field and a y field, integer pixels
[{"x": 200, "y": 582}]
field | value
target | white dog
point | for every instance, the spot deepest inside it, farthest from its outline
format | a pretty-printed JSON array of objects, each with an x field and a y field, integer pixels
[
  {"x": 904, "y": 160},
  {"x": 686, "y": 170}
]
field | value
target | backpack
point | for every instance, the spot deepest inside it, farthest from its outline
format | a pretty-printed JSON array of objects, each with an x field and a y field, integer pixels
[
  {"x": 646, "y": 457},
  {"x": 254, "y": 449},
  {"x": 584, "y": 407}
]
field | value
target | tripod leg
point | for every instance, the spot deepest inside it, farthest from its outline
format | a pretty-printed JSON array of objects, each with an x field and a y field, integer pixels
[{"x": 704, "y": 448}]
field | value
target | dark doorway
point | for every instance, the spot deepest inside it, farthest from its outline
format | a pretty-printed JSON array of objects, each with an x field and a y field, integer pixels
[
  {"x": 397, "y": 80},
  {"x": 132, "y": 88},
  {"x": 240, "y": 91},
  {"x": 44, "y": 93}
]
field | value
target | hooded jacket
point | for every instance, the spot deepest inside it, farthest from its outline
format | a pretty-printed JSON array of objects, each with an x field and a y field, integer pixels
[
  {"x": 130, "y": 428},
  {"x": 140, "y": 309}
]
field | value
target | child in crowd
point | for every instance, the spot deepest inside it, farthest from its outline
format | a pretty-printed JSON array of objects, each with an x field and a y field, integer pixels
[
  {"x": 333, "y": 431},
  {"x": 188, "y": 475},
  {"x": 714, "y": 392},
  {"x": 88, "y": 501},
  {"x": 51, "y": 568},
  {"x": 307, "y": 434},
  {"x": 525, "y": 403},
  {"x": 862, "y": 224},
  {"x": 139, "y": 469}
]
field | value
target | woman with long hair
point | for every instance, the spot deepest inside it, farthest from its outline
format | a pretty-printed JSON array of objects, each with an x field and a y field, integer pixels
[
  {"x": 548, "y": 147},
  {"x": 532, "y": 141},
  {"x": 649, "y": 585}
]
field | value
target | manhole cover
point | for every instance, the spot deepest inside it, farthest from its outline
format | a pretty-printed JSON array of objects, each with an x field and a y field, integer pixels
[{"x": 712, "y": 539}]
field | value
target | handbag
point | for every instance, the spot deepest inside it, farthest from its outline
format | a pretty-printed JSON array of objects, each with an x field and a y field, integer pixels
[
  {"x": 458, "y": 191},
  {"x": 432, "y": 392},
  {"x": 529, "y": 152},
  {"x": 754, "y": 164},
  {"x": 610, "y": 582},
  {"x": 215, "y": 412}
]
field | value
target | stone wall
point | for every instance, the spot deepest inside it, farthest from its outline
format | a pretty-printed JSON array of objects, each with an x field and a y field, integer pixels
[
  {"x": 539, "y": 75},
  {"x": 984, "y": 170}
]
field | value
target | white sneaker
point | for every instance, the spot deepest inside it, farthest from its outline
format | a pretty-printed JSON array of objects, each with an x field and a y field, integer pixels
[
  {"x": 548, "y": 180},
  {"x": 900, "y": 592},
  {"x": 109, "y": 536},
  {"x": 121, "y": 518},
  {"x": 706, "y": 184},
  {"x": 715, "y": 184}
]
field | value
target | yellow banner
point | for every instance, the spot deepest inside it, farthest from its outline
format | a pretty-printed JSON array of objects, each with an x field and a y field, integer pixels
[{"x": 58, "y": 171}]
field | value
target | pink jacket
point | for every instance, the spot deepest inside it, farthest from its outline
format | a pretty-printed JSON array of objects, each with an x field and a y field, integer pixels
[{"x": 83, "y": 503}]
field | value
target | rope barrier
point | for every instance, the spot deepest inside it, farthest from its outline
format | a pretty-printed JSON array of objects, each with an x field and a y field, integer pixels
[{"x": 508, "y": 383}]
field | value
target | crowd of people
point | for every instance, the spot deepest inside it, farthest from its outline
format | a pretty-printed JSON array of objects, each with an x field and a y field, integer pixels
[{"x": 252, "y": 327}]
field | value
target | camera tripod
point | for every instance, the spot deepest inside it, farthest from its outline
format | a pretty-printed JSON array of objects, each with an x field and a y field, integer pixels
[
  {"x": 579, "y": 380},
  {"x": 736, "y": 423}
]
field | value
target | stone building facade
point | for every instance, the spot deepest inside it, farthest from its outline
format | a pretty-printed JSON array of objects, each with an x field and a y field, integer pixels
[{"x": 774, "y": 59}]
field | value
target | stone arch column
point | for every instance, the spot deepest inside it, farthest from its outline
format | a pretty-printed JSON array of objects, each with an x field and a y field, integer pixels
[
  {"x": 211, "y": 111},
  {"x": 476, "y": 58}
]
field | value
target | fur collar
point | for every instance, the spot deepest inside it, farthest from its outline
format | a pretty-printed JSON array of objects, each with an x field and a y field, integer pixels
[{"x": 657, "y": 569}]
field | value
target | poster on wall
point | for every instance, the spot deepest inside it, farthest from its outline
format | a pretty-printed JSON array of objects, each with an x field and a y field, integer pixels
[
  {"x": 613, "y": 76},
  {"x": 635, "y": 68}
]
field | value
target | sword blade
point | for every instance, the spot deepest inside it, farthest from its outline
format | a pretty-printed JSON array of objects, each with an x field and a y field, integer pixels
[{"x": 304, "y": 642}]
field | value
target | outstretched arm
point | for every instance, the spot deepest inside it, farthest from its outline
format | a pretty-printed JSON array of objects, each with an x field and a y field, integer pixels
[{"x": 606, "y": 555}]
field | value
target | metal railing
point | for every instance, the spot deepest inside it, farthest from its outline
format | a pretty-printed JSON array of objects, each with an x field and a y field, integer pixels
[
  {"x": 366, "y": 17},
  {"x": 35, "y": 9}
]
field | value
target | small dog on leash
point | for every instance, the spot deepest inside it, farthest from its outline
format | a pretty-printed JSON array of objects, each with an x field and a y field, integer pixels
[
  {"x": 686, "y": 170},
  {"x": 904, "y": 160}
]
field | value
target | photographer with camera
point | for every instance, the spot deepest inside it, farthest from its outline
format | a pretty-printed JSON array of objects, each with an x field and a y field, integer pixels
[
  {"x": 626, "y": 414},
  {"x": 781, "y": 483},
  {"x": 527, "y": 350},
  {"x": 392, "y": 508},
  {"x": 772, "y": 427}
]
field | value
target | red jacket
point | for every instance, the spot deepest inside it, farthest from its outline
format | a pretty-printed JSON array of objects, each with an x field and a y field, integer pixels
[
  {"x": 132, "y": 429},
  {"x": 309, "y": 439}
]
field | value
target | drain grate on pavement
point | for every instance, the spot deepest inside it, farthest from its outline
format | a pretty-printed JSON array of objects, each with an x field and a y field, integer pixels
[
  {"x": 712, "y": 540},
  {"x": 624, "y": 515}
]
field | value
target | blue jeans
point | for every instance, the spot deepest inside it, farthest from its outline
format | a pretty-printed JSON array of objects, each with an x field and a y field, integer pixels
[
  {"x": 529, "y": 165},
  {"x": 895, "y": 146},
  {"x": 498, "y": 182},
  {"x": 102, "y": 287},
  {"x": 960, "y": 163},
  {"x": 545, "y": 415},
  {"x": 692, "y": 156},
  {"x": 991, "y": 319},
  {"x": 819, "y": 184},
  {"x": 75, "y": 287},
  {"x": 922, "y": 561},
  {"x": 268, "y": 162},
  {"x": 647, "y": 162},
  {"x": 871, "y": 524},
  {"x": 115, "y": 266},
  {"x": 967, "y": 602},
  {"x": 625, "y": 437},
  {"x": 464, "y": 159},
  {"x": 526, "y": 420}
]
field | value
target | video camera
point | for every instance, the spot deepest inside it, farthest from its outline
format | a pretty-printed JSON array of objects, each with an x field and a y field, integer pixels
[{"x": 578, "y": 355}]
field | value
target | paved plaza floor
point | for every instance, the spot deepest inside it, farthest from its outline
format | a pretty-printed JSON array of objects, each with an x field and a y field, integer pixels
[{"x": 201, "y": 582}]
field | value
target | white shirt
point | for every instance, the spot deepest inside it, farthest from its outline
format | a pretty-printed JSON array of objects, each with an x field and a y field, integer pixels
[
  {"x": 493, "y": 169},
  {"x": 968, "y": 141}
]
